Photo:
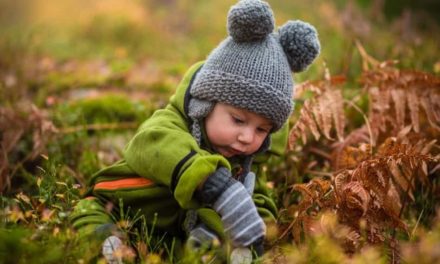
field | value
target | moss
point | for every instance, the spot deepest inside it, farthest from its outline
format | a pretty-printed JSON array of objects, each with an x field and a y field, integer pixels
[
  {"x": 110, "y": 108},
  {"x": 88, "y": 163}
]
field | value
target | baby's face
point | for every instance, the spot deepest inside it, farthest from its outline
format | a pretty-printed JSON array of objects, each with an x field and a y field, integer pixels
[{"x": 234, "y": 131}]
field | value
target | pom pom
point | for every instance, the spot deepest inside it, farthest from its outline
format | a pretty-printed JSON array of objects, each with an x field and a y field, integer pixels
[
  {"x": 300, "y": 43},
  {"x": 250, "y": 20}
]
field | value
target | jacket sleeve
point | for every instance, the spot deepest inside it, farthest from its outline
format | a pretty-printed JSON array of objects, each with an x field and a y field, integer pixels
[
  {"x": 263, "y": 196},
  {"x": 87, "y": 215},
  {"x": 164, "y": 151}
]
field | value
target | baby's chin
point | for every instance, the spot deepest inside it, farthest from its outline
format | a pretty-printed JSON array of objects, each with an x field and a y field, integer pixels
[
  {"x": 226, "y": 154},
  {"x": 229, "y": 152}
]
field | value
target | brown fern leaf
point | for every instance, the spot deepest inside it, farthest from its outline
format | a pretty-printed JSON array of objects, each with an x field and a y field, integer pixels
[
  {"x": 297, "y": 230},
  {"x": 349, "y": 157},
  {"x": 406, "y": 185},
  {"x": 352, "y": 240},
  {"x": 407, "y": 162},
  {"x": 374, "y": 176},
  {"x": 323, "y": 185},
  {"x": 304, "y": 189},
  {"x": 412, "y": 94},
  {"x": 315, "y": 198},
  {"x": 300, "y": 129},
  {"x": 43, "y": 129},
  {"x": 308, "y": 225},
  {"x": 366, "y": 192},
  {"x": 320, "y": 112},
  {"x": 413, "y": 104},
  {"x": 432, "y": 114},
  {"x": 340, "y": 180},
  {"x": 399, "y": 98},
  {"x": 435, "y": 102},
  {"x": 369, "y": 195},
  {"x": 309, "y": 121},
  {"x": 314, "y": 191},
  {"x": 15, "y": 125},
  {"x": 12, "y": 126},
  {"x": 379, "y": 106},
  {"x": 337, "y": 108},
  {"x": 393, "y": 201},
  {"x": 355, "y": 200},
  {"x": 425, "y": 148},
  {"x": 341, "y": 158}
]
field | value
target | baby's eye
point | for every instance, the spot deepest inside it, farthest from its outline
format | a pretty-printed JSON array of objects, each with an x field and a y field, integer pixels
[
  {"x": 237, "y": 120},
  {"x": 263, "y": 130}
]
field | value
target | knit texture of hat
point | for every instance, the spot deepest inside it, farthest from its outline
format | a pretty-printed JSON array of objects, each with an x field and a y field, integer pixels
[{"x": 251, "y": 68}]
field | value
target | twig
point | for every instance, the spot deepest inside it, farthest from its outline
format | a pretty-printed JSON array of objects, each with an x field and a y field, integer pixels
[
  {"x": 287, "y": 229},
  {"x": 320, "y": 153},
  {"x": 321, "y": 173},
  {"x": 365, "y": 57},
  {"x": 417, "y": 223}
]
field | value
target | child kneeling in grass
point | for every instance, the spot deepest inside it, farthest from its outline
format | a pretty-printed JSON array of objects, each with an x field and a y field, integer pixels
[{"x": 189, "y": 170}]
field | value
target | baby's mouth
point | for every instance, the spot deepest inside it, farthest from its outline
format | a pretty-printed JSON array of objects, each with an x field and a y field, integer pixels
[
  {"x": 229, "y": 151},
  {"x": 235, "y": 152}
]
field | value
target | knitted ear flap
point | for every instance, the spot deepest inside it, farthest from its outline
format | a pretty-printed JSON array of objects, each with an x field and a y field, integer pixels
[
  {"x": 300, "y": 43},
  {"x": 250, "y": 20},
  {"x": 197, "y": 110}
]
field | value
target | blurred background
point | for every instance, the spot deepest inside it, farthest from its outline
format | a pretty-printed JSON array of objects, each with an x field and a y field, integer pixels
[
  {"x": 56, "y": 46},
  {"x": 77, "y": 77},
  {"x": 72, "y": 67},
  {"x": 75, "y": 68}
]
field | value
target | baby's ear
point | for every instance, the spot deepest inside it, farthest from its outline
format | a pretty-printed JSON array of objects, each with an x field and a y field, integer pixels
[{"x": 300, "y": 43}]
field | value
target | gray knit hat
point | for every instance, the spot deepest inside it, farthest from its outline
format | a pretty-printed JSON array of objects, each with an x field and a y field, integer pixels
[{"x": 252, "y": 67}]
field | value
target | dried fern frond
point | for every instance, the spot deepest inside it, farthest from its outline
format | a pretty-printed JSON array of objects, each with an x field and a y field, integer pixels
[
  {"x": 378, "y": 167},
  {"x": 320, "y": 112},
  {"x": 368, "y": 188},
  {"x": 16, "y": 126},
  {"x": 316, "y": 195},
  {"x": 349, "y": 157},
  {"x": 399, "y": 98}
]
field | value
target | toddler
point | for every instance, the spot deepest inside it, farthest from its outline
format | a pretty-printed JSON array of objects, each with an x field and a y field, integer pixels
[{"x": 193, "y": 170}]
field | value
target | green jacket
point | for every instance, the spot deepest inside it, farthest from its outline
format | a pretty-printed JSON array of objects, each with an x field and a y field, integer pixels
[{"x": 162, "y": 167}]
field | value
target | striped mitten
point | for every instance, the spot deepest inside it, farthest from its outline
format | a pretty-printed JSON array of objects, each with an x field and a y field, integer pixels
[
  {"x": 249, "y": 182},
  {"x": 230, "y": 199}
]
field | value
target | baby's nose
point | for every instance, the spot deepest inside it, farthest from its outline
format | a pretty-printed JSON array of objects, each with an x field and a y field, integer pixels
[{"x": 246, "y": 136}]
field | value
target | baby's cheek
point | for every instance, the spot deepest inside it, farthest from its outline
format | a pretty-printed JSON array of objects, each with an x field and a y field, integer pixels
[{"x": 260, "y": 142}]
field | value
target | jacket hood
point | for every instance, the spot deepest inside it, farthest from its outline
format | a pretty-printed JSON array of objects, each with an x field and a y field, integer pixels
[{"x": 180, "y": 99}]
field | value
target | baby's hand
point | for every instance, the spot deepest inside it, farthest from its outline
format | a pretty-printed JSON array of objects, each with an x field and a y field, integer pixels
[
  {"x": 202, "y": 237},
  {"x": 110, "y": 249},
  {"x": 241, "y": 255},
  {"x": 249, "y": 182},
  {"x": 245, "y": 255},
  {"x": 231, "y": 200}
]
